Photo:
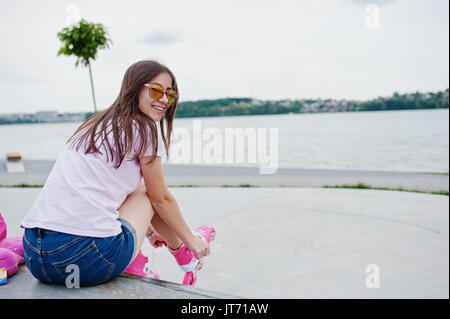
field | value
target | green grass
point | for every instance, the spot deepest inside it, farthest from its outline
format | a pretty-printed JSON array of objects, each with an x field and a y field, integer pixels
[
  {"x": 187, "y": 185},
  {"x": 355, "y": 186},
  {"x": 364, "y": 186},
  {"x": 240, "y": 185},
  {"x": 224, "y": 185},
  {"x": 23, "y": 186}
]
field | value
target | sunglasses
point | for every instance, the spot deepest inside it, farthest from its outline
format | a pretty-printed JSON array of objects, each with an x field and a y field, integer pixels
[{"x": 157, "y": 92}]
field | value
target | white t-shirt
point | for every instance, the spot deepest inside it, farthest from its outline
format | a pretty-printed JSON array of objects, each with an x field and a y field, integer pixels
[{"x": 83, "y": 193}]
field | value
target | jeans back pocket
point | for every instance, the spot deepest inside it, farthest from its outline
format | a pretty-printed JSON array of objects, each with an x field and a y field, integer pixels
[
  {"x": 34, "y": 266},
  {"x": 33, "y": 260},
  {"x": 85, "y": 268}
]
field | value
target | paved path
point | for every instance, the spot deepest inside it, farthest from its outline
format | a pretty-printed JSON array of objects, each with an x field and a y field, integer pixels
[
  {"x": 37, "y": 172},
  {"x": 305, "y": 242}
]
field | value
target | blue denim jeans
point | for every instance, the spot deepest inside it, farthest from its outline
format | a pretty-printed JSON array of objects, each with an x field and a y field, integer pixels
[{"x": 52, "y": 256}]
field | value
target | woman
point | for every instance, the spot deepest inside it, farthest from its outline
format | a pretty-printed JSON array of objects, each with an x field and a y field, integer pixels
[{"x": 95, "y": 210}]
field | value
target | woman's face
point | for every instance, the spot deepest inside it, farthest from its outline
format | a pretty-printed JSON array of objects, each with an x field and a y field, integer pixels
[{"x": 154, "y": 108}]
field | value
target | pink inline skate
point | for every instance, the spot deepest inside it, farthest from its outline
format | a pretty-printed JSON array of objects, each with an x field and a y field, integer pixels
[
  {"x": 186, "y": 259},
  {"x": 141, "y": 267},
  {"x": 11, "y": 250}
]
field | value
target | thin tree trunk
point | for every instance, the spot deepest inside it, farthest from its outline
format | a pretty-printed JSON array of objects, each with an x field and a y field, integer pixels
[{"x": 92, "y": 87}]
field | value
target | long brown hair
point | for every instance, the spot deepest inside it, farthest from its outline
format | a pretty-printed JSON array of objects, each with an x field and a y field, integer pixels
[{"x": 124, "y": 113}]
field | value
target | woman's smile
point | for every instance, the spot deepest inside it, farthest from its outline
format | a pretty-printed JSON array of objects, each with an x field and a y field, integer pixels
[{"x": 159, "y": 108}]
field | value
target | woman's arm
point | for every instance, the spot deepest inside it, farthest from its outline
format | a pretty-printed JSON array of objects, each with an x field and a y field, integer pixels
[{"x": 165, "y": 205}]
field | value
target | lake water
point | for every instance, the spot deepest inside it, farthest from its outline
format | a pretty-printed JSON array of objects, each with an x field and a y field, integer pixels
[{"x": 412, "y": 140}]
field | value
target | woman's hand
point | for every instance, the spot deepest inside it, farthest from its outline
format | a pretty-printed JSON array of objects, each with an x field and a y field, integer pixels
[
  {"x": 154, "y": 238},
  {"x": 198, "y": 246}
]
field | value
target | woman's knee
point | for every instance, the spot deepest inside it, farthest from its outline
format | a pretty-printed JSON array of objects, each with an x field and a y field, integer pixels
[{"x": 137, "y": 207}]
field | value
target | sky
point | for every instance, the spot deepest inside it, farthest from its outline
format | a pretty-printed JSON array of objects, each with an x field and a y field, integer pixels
[{"x": 270, "y": 50}]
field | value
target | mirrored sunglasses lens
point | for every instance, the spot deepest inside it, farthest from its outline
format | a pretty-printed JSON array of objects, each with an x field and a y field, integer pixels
[
  {"x": 156, "y": 91},
  {"x": 171, "y": 96}
]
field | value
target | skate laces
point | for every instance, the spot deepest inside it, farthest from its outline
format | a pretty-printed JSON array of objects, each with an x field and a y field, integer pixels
[
  {"x": 214, "y": 245},
  {"x": 149, "y": 267}
]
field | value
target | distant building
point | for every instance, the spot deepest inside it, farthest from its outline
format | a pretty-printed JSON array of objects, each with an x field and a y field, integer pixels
[
  {"x": 47, "y": 116},
  {"x": 256, "y": 102},
  {"x": 285, "y": 103}
]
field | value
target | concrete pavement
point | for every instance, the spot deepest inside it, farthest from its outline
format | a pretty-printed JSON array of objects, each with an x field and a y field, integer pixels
[{"x": 305, "y": 242}]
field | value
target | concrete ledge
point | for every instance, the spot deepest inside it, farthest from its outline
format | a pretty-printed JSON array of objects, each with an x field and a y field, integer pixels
[{"x": 125, "y": 286}]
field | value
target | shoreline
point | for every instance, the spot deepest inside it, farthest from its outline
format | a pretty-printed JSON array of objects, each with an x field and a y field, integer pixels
[
  {"x": 181, "y": 116},
  {"x": 192, "y": 175},
  {"x": 239, "y": 115}
]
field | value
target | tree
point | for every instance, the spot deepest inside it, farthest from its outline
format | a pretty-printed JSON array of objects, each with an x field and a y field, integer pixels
[{"x": 83, "y": 40}]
